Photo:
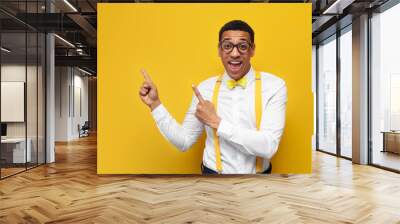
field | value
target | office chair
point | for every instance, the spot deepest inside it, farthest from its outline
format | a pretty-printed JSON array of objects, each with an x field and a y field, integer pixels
[{"x": 84, "y": 130}]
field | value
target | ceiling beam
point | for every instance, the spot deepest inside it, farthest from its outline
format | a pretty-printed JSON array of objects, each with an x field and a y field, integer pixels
[
  {"x": 84, "y": 24},
  {"x": 82, "y": 61}
]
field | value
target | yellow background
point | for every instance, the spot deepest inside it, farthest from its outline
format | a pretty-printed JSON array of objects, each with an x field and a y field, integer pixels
[{"x": 177, "y": 44}]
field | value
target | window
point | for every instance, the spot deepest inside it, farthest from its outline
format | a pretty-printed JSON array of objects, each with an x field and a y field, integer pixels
[
  {"x": 346, "y": 93},
  {"x": 327, "y": 95},
  {"x": 385, "y": 88}
]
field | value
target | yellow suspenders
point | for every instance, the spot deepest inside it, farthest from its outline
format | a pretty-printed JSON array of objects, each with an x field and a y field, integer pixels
[
  {"x": 216, "y": 139},
  {"x": 258, "y": 109}
]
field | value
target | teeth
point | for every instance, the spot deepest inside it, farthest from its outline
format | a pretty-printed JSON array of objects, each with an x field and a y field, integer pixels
[{"x": 235, "y": 62}]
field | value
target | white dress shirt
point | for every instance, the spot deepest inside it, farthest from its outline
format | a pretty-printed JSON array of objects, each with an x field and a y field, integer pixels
[{"x": 240, "y": 141}]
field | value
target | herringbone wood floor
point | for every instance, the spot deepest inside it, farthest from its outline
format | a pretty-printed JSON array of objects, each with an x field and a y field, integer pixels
[{"x": 70, "y": 191}]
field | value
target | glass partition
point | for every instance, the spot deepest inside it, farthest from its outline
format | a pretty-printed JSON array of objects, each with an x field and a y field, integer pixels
[
  {"x": 22, "y": 89},
  {"x": 32, "y": 95},
  {"x": 14, "y": 145},
  {"x": 41, "y": 107}
]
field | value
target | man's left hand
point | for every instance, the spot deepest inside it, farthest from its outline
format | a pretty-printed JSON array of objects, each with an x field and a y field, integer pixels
[{"x": 205, "y": 111}]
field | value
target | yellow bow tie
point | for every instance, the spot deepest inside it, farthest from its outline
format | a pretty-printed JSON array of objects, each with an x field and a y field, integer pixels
[{"x": 241, "y": 82}]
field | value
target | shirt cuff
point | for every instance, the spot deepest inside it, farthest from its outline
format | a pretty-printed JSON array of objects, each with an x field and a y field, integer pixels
[
  {"x": 225, "y": 130},
  {"x": 159, "y": 113}
]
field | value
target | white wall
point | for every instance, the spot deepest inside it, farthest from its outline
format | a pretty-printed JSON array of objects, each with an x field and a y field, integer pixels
[
  {"x": 81, "y": 103},
  {"x": 62, "y": 81},
  {"x": 71, "y": 102},
  {"x": 16, "y": 73}
]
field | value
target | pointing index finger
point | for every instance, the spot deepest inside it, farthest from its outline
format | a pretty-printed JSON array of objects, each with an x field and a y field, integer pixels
[
  {"x": 198, "y": 94},
  {"x": 145, "y": 75}
]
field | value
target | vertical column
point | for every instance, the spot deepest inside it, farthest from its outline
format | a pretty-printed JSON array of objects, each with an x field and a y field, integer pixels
[
  {"x": 360, "y": 90},
  {"x": 338, "y": 91},
  {"x": 50, "y": 92}
]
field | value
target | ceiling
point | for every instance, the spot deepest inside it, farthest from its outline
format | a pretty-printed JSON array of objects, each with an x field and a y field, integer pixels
[{"x": 76, "y": 22}]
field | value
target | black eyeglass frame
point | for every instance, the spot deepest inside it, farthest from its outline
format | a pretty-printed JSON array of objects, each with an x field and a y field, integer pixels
[{"x": 251, "y": 45}]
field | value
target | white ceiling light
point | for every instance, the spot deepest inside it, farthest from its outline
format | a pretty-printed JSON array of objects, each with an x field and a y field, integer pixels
[
  {"x": 84, "y": 71},
  {"x": 70, "y": 5},
  {"x": 5, "y": 50},
  {"x": 338, "y": 6},
  {"x": 65, "y": 41}
]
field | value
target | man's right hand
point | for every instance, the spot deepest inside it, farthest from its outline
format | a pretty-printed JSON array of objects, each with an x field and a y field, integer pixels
[{"x": 148, "y": 92}]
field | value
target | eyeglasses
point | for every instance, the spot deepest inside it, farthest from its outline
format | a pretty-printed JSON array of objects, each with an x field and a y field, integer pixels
[{"x": 242, "y": 47}]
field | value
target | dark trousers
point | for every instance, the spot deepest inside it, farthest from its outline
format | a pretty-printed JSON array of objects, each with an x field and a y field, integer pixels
[{"x": 206, "y": 171}]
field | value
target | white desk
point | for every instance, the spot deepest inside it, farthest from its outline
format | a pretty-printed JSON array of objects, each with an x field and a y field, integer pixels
[{"x": 18, "y": 149}]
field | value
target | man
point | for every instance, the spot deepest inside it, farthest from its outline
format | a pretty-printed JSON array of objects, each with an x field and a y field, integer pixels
[{"x": 241, "y": 137}]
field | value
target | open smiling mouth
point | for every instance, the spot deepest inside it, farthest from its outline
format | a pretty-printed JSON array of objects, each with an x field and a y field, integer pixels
[{"x": 235, "y": 65}]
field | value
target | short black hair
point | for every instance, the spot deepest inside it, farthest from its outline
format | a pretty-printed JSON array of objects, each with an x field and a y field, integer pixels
[{"x": 237, "y": 25}]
